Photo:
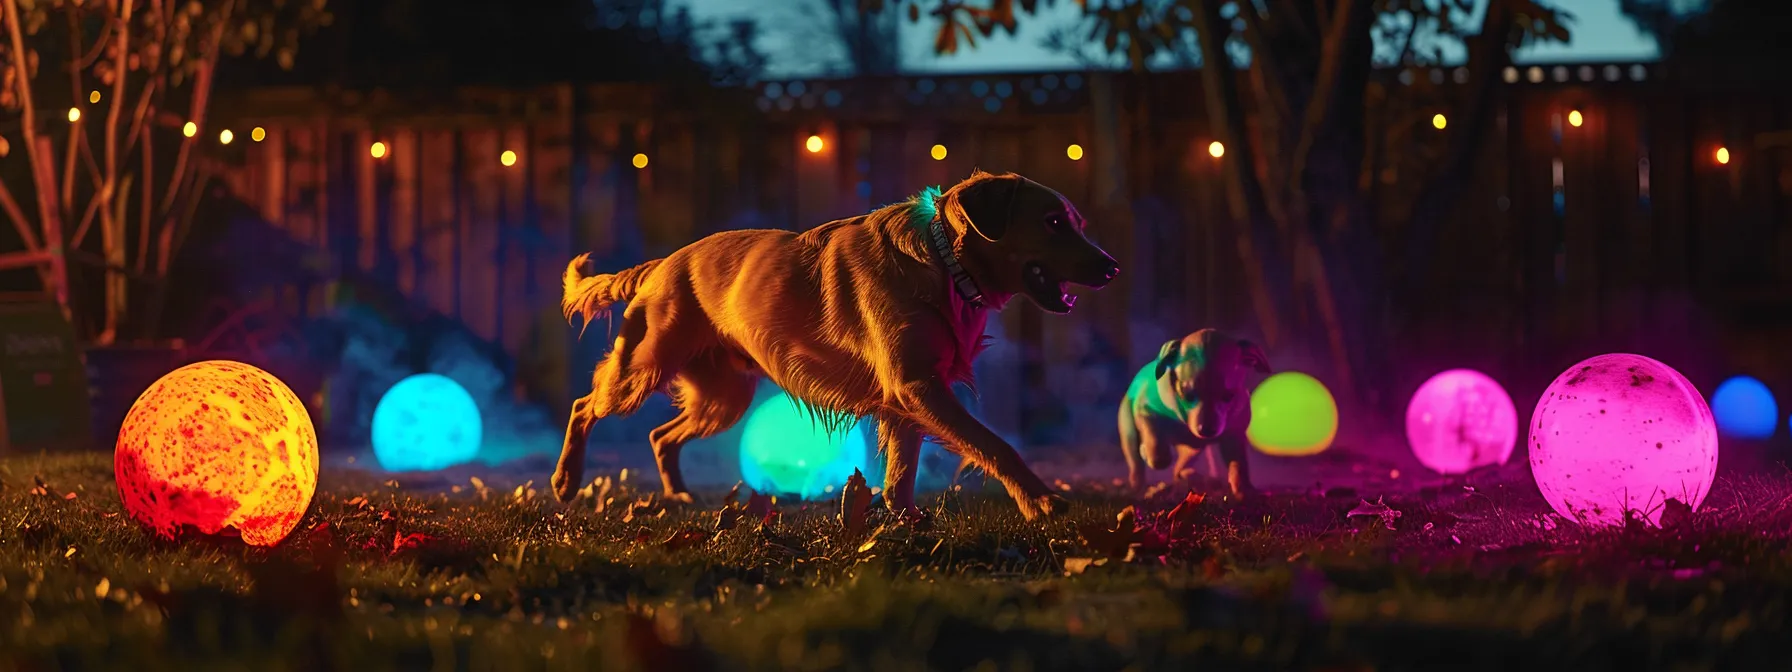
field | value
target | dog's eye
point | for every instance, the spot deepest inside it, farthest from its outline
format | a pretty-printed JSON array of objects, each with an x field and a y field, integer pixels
[{"x": 1055, "y": 223}]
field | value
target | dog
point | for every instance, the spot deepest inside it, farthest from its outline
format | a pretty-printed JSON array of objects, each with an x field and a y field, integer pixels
[
  {"x": 876, "y": 315},
  {"x": 1193, "y": 397}
]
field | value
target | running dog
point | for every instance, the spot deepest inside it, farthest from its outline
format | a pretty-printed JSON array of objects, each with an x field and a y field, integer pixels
[
  {"x": 875, "y": 315},
  {"x": 1194, "y": 397}
]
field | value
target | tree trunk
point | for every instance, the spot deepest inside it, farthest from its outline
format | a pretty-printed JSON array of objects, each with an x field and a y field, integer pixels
[{"x": 1254, "y": 228}]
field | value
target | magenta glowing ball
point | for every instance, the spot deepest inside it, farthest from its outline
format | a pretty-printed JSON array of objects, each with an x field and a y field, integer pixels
[
  {"x": 1622, "y": 433},
  {"x": 1461, "y": 420}
]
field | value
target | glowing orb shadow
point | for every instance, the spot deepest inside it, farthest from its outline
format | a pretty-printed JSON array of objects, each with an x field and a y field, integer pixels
[
  {"x": 218, "y": 445},
  {"x": 1622, "y": 433},
  {"x": 1461, "y": 420},
  {"x": 426, "y": 422},
  {"x": 1745, "y": 409},
  {"x": 1292, "y": 414},
  {"x": 785, "y": 450}
]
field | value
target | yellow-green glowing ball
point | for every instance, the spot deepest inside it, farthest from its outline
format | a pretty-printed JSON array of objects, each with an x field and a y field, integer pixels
[{"x": 1292, "y": 414}]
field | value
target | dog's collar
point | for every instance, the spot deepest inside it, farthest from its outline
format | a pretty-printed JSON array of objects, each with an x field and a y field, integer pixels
[{"x": 942, "y": 245}]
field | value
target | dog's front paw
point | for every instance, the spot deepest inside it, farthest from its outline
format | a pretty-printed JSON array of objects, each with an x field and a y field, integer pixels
[
  {"x": 566, "y": 486},
  {"x": 678, "y": 499},
  {"x": 1043, "y": 506}
]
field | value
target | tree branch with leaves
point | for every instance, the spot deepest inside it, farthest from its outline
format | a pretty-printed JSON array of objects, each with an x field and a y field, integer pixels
[{"x": 122, "y": 75}]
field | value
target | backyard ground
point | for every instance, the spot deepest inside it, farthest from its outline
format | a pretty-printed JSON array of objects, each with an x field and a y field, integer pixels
[{"x": 1473, "y": 574}]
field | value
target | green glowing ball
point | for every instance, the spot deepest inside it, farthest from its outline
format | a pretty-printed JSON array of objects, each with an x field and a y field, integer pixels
[
  {"x": 785, "y": 451},
  {"x": 1292, "y": 414}
]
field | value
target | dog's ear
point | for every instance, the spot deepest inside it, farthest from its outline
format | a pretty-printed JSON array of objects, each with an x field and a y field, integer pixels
[
  {"x": 986, "y": 202},
  {"x": 1253, "y": 356},
  {"x": 1167, "y": 356}
]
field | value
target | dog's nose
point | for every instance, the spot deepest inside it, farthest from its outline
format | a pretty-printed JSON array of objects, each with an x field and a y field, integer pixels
[{"x": 1112, "y": 271}]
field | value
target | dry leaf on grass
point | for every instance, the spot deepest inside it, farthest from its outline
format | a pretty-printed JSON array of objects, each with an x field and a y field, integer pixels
[
  {"x": 1074, "y": 566},
  {"x": 1183, "y": 515},
  {"x": 1377, "y": 509},
  {"x": 855, "y": 504},
  {"x": 1115, "y": 542}
]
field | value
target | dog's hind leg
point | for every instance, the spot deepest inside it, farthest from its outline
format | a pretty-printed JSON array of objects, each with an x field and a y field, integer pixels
[
  {"x": 1129, "y": 445},
  {"x": 712, "y": 394},
  {"x": 900, "y": 442}
]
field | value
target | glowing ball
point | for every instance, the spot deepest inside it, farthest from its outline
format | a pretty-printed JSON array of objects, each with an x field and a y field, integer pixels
[
  {"x": 218, "y": 445},
  {"x": 1745, "y": 409},
  {"x": 425, "y": 422},
  {"x": 785, "y": 450},
  {"x": 1620, "y": 433},
  {"x": 1292, "y": 414},
  {"x": 1461, "y": 420}
]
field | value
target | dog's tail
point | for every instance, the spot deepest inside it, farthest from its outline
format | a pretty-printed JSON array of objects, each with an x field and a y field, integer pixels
[{"x": 587, "y": 295}]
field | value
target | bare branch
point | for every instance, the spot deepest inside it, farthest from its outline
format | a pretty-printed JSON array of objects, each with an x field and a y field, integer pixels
[
  {"x": 202, "y": 88},
  {"x": 41, "y": 175},
  {"x": 17, "y": 215},
  {"x": 1351, "y": 17}
]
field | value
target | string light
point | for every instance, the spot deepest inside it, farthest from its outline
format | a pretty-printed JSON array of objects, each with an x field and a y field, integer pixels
[
  {"x": 1216, "y": 149},
  {"x": 378, "y": 150},
  {"x": 1439, "y": 122},
  {"x": 1723, "y": 156},
  {"x": 508, "y": 158},
  {"x": 1075, "y": 152},
  {"x": 190, "y": 130},
  {"x": 640, "y": 161},
  {"x": 938, "y": 152},
  {"x": 1575, "y": 119},
  {"x": 258, "y": 134},
  {"x": 93, "y": 96},
  {"x": 226, "y": 136},
  {"x": 814, "y": 144},
  {"x": 74, "y": 114}
]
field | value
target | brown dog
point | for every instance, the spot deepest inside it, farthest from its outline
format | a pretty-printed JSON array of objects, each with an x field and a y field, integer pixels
[
  {"x": 1195, "y": 395},
  {"x": 874, "y": 315}
]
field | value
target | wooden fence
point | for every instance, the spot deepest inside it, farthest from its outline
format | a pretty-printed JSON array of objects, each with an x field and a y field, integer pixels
[{"x": 1623, "y": 231}]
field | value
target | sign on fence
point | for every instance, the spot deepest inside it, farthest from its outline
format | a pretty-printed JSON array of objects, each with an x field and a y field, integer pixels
[{"x": 43, "y": 385}]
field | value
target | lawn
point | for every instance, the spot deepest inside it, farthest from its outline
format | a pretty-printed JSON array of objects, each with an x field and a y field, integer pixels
[{"x": 383, "y": 575}]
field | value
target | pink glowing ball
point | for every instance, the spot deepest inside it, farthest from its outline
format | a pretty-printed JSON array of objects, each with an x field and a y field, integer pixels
[
  {"x": 1461, "y": 420},
  {"x": 1622, "y": 433}
]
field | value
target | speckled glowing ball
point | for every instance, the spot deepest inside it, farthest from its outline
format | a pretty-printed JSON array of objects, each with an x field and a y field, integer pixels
[
  {"x": 1292, "y": 414},
  {"x": 1619, "y": 433},
  {"x": 218, "y": 445},
  {"x": 426, "y": 422},
  {"x": 1461, "y": 420},
  {"x": 1745, "y": 409},
  {"x": 785, "y": 451}
]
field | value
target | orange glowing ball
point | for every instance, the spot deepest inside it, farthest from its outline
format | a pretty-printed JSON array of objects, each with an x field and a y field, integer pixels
[{"x": 218, "y": 445}]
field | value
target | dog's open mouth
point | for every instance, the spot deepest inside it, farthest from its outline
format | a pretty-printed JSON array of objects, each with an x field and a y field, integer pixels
[{"x": 1046, "y": 289}]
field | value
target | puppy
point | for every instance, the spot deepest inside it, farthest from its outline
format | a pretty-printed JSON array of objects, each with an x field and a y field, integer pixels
[
  {"x": 1193, "y": 397},
  {"x": 876, "y": 315}
]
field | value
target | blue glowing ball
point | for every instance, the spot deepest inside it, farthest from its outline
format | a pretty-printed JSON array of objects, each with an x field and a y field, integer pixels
[
  {"x": 784, "y": 450},
  {"x": 425, "y": 422},
  {"x": 1744, "y": 409}
]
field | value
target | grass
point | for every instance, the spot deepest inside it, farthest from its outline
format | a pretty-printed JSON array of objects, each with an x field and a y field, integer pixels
[{"x": 378, "y": 576}]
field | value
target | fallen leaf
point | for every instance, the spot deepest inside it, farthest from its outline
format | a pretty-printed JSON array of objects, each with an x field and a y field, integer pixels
[
  {"x": 1074, "y": 566},
  {"x": 733, "y": 495},
  {"x": 1675, "y": 514},
  {"x": 1377, "y": 509},
  {"x": 1182, "y": 517},
  {"x": 642, "y": 508},
  {"x": 685, "y": 539},
  {"x": 759, "y": 506},
  {"x": 68, "y": 495},
  {"x": 1115, "y": 542},
  {"x": 104, "y": 589},
  {"x": 403, "y": 542},
  {"x": 359, "y": 503},
  {"x": 869, "y": 543},
  {"x": 855, "y": 504}
]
